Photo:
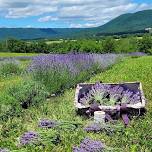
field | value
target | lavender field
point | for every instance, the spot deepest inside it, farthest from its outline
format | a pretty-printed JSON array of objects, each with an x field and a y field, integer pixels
[
  {"x": 58, "y": 72},
  {"x": 37, "y": 110}
]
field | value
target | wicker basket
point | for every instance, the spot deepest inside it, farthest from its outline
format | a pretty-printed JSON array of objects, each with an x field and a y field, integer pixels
[{"x": 85, "y": 87}]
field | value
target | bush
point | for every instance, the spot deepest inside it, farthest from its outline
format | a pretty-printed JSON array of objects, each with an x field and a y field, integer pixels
[
  {"x": 53, "y": 80},
  {"x": 149, "y": 51},
  {"x": 126, "y": 45},
  {"x": 21, "y": 95},
  {"x": 109, "y": 45},
  {"x": 9, "y": 67},
  {"x": 145, "y": 44}
]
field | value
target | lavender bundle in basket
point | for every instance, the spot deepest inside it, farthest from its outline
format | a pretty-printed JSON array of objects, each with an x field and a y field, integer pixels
[
  {"x": 109, "y": 95},
  {"x": 97, "y": 94},
  {"x": 115, "y": 94},
  {"x": 129, "y": 97}
]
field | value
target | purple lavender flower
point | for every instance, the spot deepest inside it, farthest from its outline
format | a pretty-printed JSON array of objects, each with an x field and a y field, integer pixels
[
  {"x": 126, "y": 97},
  {"x": 136, "y": 98},
  {"x": 78, "y": 149},
  {"x": 137, "y": 54},
  {"x": 89, "y": 145},
  {"x": 130, "y": 97},
  {"x": 29, "y": 138},
  {"x": 74, "y": 63},
  {"x": 109, "y": 95},
  {"x": 93, "y": 128},
  {"x": 115, "y": 94},
  {"x": 4, "y": 150},
  {"x": 97, "y": 94},
  {"x": 64, "y": 70},
  {"x": 45, "y": 123}
]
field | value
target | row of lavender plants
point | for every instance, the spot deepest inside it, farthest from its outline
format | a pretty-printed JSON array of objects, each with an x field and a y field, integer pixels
[
  {"x": 58, "y": 72},
  {"x": 47, "y": 75}
]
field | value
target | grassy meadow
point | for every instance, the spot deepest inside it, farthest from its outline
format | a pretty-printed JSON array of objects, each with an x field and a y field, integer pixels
[{"x": 135, "y": 138}]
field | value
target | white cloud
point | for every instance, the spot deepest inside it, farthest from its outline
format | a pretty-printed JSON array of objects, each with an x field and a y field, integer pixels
[
  {"x": 86, "y": 25},
  {"x": 26, "y": 8},
  {"x": 29, "y": 26},
  {"x": 47, "y": 19},
  {"x": 92, "y": 12},
  {"x": 28, "y": 11}
]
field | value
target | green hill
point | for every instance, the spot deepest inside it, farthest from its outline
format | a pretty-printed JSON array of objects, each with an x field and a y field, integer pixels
[
  {"x": 130, "y": 22},
  {"x": 126, "y": 23},
  {"x": 25, "y": 33},
  {"x": 38, "y": 33}
]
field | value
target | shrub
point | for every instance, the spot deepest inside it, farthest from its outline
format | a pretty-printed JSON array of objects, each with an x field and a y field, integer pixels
[
  {"x": 21, "y": 95},
  {"x": 28, "y": 93},
  {"x": 126, "y": 45},
  {"x": 145, "y": 43},
  {"x": 149, "y": 51},
  {"x": 9, "y": 67},
  {"x": 109, "y": 45}
]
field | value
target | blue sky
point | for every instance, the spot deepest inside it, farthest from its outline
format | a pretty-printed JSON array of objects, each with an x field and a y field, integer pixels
[{"x": 65, "y": 13}]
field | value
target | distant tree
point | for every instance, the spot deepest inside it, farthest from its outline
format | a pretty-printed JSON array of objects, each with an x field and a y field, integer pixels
[
  {"x": 125, "y": 45},
  {"x": 145, "y": 43},
  {"x": 1, "y": 46},
  {"x": 42, "y": 47},
  {"x": 109, "y": 45},
  {"x": 11, "y": 44}
]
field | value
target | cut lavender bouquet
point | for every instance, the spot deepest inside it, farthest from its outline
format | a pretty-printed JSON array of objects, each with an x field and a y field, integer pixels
[
  {"x": 108, "y": 95},
  {"x": 115, "y": 99}
]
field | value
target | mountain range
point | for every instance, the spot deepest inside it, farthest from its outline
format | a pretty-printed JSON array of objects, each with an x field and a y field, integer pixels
[{"x": 126, "y": 23}]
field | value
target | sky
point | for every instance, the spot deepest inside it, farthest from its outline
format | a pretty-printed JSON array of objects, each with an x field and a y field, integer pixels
[{"x": 65, "y": 13}]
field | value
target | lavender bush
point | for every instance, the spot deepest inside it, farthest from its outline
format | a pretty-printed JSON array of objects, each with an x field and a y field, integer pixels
[
  {"x": 137, "y": 54},
  {"x": 58, "y": 72},
  {"x": 9, "y": 67},
  {"x": 21, "y": 96}
]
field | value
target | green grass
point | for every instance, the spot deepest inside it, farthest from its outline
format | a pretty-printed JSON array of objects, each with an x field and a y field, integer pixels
[
  {"x": 6, "y": 54},
  {"x": 136, "y": 138}
]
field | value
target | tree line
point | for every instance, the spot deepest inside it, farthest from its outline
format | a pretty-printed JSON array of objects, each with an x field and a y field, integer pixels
[{"x": 100, "y": 45}]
